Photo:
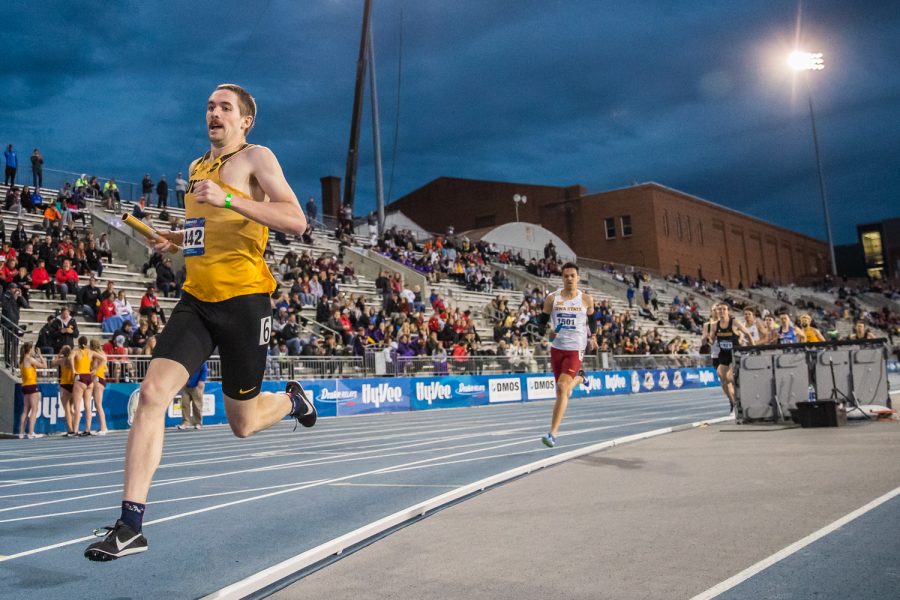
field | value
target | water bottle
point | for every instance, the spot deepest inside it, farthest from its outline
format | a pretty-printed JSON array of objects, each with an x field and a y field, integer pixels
[{"x": 812, "y": 393}]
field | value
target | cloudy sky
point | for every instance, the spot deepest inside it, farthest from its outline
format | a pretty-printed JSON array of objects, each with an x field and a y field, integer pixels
[{"x": 693, "y": 95}]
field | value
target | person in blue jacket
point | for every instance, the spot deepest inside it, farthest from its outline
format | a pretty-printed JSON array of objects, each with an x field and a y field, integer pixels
[{"x": 192, "y": 399}]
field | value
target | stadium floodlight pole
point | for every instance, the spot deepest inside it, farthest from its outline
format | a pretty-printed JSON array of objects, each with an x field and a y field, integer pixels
[
  {"x": 353, "y": 149},
  {"x": 376, "y": 131},
  {"x": 813, "y": 61},
  {"x": 519, "y": 199}
]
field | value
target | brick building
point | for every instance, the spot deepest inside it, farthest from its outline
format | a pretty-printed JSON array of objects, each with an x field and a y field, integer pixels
[{"x": 648, "y": 225}]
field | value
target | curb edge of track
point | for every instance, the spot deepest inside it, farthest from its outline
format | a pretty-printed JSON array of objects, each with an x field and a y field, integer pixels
[{"x": 268, "y": 580}]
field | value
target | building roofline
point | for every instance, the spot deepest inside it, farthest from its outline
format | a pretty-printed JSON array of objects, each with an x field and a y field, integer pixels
[{"x": 654, "y": 184}]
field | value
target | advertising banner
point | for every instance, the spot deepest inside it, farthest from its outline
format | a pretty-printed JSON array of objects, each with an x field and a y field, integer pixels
[
  {"x": 342, "y": 397},
  {"x": 448, "y": 392}
]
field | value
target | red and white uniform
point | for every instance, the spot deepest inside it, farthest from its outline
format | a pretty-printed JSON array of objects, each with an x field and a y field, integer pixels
[{"x": 569, "y": 320}]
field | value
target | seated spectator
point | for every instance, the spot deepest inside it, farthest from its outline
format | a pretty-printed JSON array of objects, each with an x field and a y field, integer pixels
[
  {"x": 40, "y": 280},
  {"x": 89, "y": 300},
  {"x": 141, "y": 334},
  {"x": 66, "y": 280},
  {"x": 118, "y": 367},
  {"x": 126, "y": 330},
  {"x": 124, "y": 310},
  {"x": 154, "y": 323},
  {"x": 52, "y": 217},
  {"x": 165, "y": 277},
  {"x": 103, "y": 248},
  {"x": 150, "y": 304},
  {"x": 139, "y": 211},
  {"x": 37, "y": 202},
  {"x": 106, "y": 310}
]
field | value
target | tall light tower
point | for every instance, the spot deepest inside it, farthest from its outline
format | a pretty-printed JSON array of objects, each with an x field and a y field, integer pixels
[
  {"x": 813, "y": 61},
  {"x": 519, "y": 199}
]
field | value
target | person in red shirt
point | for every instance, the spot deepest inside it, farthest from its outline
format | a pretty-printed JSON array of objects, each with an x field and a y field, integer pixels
[
  {"x": 8, "y": 271},
  {"x": 435, "y": 323},
  {"x": 8, "y": 251},
  {"x": 66, "y": 279},
  {"x": 40, "y": 280},
  {"x": 150, "y": 304},
  {"x": 117, "y": 359},
  {"x": 107, "y": 309},
  {"x": 345, "y": 321}
]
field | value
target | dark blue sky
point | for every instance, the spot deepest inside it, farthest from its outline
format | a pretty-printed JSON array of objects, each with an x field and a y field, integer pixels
[{"x": 695, "y": 96}]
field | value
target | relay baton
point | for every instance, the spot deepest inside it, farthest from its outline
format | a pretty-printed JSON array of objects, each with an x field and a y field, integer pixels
[{"x": 145, "y": 230}]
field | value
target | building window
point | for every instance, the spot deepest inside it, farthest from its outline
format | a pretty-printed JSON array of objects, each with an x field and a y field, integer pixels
[
  {"x": 690, "y": 233},
  {"x": 626, "y": 226},
  {"x": 610, "y": 224},
  {"x": 679, "y": 228},
  {"x": 700, "y": 232},
  {"x": 873, "y": 252},
  {"x": 666, "y": 222}
]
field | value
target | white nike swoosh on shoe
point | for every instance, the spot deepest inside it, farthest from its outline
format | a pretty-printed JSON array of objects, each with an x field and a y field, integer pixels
[{"x": 120, "y": 545}]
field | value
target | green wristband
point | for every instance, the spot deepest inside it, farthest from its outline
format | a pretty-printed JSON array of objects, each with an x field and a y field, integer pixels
[{"x": 227, "y": 200}]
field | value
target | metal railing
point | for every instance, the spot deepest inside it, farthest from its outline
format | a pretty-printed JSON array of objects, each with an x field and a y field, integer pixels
[
  {"x": 55, "y": 179},
  {"x": 12, "y": 337},
  {"x": 133, "y": 368}
]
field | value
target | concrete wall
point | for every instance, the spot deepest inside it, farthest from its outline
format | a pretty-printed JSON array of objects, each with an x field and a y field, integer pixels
[{"x": 371, "y": 264}]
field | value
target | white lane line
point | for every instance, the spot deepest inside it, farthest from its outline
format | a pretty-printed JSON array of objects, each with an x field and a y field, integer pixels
[
  {"x": 167, "y": 501},
  {"x": 484, "y": 418},
  {"x": 354, "y": 451},
  {"x": 355, "y": 454},
  {"x": 793, "y": 548},
  {"x": 266, "y": 577},
  {"x": 181, "y": 515},
  {"x": 399, "y": 485}
]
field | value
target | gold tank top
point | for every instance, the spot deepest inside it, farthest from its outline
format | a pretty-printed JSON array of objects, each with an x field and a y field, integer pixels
[
  {"x": 29, "y": 375},
  {"x": 223, "y": 250},
  {"x": 66, "y": 376},
  {"x": 82, "y": 362}
]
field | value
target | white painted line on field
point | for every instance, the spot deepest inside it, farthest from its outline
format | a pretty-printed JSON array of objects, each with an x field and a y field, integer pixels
[
  {"x": 398, "y": 485},
  {"x": 473, "y": 448},
  {"x": 266, "y": 577},
  {"x": 795, "y": 547},
  {"x": 546, "y": 462}
]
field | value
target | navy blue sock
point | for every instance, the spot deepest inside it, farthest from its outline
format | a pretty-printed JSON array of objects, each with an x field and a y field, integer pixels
[{"x": 133, "y": 514}]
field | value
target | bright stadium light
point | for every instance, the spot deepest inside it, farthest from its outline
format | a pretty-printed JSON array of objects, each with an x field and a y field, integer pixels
[
  {"x": 806, "y": 61},
  {"x": 519, "y": 199}
]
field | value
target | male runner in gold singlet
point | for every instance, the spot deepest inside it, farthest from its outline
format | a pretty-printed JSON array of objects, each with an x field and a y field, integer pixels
[{"x": 236, "y": 192}]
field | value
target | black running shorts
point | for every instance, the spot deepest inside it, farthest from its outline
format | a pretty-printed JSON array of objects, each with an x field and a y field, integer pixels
[
  {"x": 725, "y": 358},
  {"x": 240, "y": 327}
]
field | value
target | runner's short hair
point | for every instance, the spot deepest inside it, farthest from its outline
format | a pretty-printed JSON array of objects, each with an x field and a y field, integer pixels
[
  {"x": 569, "y": 265},
  {"x": 246, "y": 102}
]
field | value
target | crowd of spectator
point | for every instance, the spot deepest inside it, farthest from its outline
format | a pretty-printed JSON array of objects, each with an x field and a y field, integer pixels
[
  {"x": 445, "y": 257},
  {"x": 65, "y": 263}
]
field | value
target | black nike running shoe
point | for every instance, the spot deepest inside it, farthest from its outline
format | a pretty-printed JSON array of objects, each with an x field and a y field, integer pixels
[
  {"x": 121, "y": 540},
  {"x": 306, "y": 415}
]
